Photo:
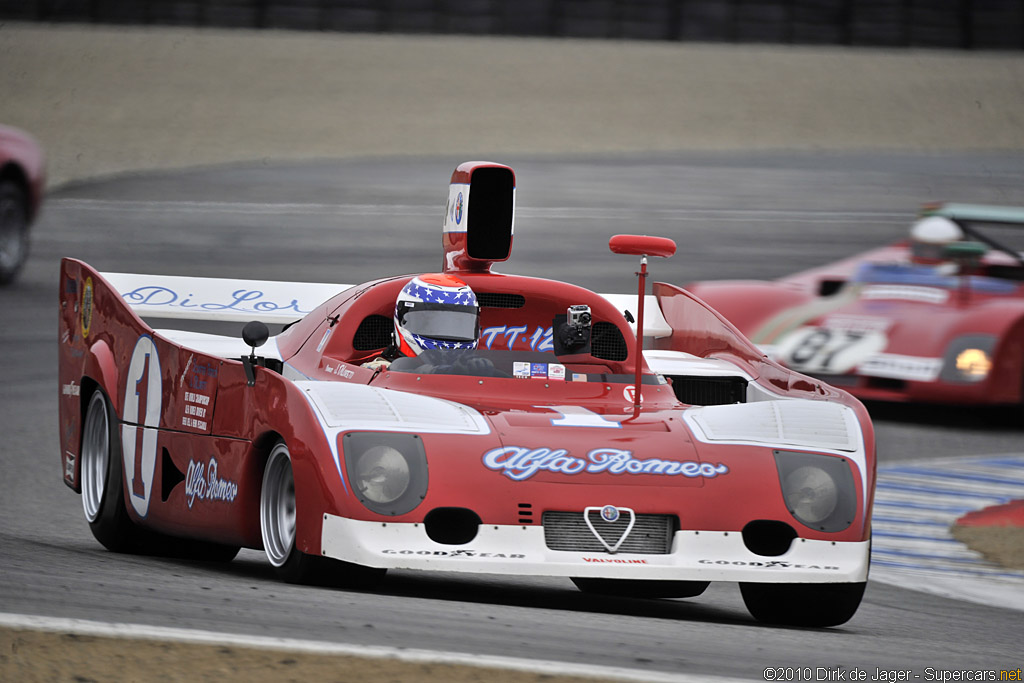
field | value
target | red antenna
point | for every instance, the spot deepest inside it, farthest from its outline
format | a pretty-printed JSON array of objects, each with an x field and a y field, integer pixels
[{"x": 642, "y": 246}]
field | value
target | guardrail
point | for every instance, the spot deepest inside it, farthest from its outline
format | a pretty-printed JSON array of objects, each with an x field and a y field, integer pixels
[{"x": 970, "y": 24}]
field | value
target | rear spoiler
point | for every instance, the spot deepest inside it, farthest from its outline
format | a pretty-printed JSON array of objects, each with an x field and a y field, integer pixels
[
  {"x": 221, "y": 299},
  {"x": 224, "y": 299},
  {"x": 976, "y": 213},
  {"x": 967, "y": 215}
]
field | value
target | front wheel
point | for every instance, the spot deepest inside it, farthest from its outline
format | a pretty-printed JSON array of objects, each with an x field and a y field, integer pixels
[
  {"x": 277, "y": 524},
  {"x": 803, "y": 604}
]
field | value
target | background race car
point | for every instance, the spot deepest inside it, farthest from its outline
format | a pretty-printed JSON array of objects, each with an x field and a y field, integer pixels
[
  {"x": 22, "y": 176},
  {"x": 465, "y": 421},
  {"x": 936, "y": 318}
]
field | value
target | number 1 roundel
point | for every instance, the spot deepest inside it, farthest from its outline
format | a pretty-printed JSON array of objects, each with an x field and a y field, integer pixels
[{"x": 143, "y": 395}]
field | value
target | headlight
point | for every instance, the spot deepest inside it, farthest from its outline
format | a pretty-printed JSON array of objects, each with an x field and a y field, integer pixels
[
  {"x": 818, "y": 489},
  {"x": 388, "y": 472},
  {"x": 968, "y": 358}
]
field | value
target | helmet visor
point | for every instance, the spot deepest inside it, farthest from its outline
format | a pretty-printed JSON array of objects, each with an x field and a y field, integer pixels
[{"x": 448, "y": 322}]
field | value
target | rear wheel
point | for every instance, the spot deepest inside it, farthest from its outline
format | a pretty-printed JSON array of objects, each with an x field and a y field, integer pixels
[
  {"x": 277, "y": 524},
  {"x": 803, "y": 604},
  {"x": 102, "y": 491},
  {"x": 103, "y": 496},
  {"x": 629, "y": 588},
  {"x": 13, "y": 230}
]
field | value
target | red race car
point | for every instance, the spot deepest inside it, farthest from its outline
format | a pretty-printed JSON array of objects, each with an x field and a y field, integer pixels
[
  {"x": 936, "y": 318},
  {"x": 465, "y": 421},
  {"x": 22, "y": 176}
]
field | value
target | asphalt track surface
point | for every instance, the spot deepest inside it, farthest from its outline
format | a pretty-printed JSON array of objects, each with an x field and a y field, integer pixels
[{"x": 733, "y": 215}]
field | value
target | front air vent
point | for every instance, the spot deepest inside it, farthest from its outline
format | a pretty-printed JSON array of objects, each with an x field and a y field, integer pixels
[
  {"x": 525, "y": 513},
  {"x": 709, "y": 391},
  {"x": 373, "y": 333},
  {"x": 500, "y": 300},
  {"x": 607, "y": 342},
  {"x": 651, "y": 534}
]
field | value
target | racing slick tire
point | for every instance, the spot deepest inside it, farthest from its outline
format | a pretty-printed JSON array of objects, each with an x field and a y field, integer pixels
[
  {"x": 628, "y": 588},
  {"x": 102, "y": 491},
  {"x": 14, "y": 227},
  {"x": 803, "y": 604},
  {"x": 103, "y": 496},
  {"x": 277, "y": 525}
]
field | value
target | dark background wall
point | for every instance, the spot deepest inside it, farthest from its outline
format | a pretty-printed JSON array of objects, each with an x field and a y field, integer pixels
[{"x": 970, "y": 24}]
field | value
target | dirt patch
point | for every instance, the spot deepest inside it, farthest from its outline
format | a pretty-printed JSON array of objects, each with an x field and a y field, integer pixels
[
  {"x": 1003, "y": 545},
  {"x": 104, "y": 99},
  {"x": 28, "y": 656}
]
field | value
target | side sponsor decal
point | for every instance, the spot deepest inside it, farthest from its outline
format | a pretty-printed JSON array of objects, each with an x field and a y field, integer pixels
[
  {"x": 143, "y": 398},
  {"x": 246, "y": 300},
  {"x": 456, "y": 553},
  {"x": 613, "y": 560},
  {"x": 202, "y": 482},
  {"x": 69, "y": 467},
  {"x": 770, "y": 564},
  {"x": 85, "y": 311},
  {"x": 520, "y": 463},
  {"x": 506, "y": 337}
]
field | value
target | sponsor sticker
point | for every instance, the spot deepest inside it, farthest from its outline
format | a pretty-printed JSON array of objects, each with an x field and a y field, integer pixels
[
  {"x": 202, "y": 482},
  {"x": 521, "y": 369},
  {"x": 556, "y": 371},
  {"x": 86, "y": 309},
  {"x": 456, "y": 553}
]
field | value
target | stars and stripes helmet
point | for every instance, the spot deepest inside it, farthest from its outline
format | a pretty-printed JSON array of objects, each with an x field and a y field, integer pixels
[{"x": 436, "y": 311}]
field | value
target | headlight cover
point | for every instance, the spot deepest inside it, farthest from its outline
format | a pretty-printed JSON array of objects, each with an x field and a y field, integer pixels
[
  {"x": 968, "y": 359},
  {"x": 388, "y": 471},
  {"x": 818, "y": 489}
]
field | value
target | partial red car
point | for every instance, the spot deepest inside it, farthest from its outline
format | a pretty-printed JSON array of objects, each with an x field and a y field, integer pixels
[
  {"x": 936, "y": 318},
  {"x": 22, "y": 178},
  {"x": 465, "y": 421}
]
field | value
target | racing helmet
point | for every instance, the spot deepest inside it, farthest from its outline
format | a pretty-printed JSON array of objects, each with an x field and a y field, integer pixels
[
  {"x": 436, "y": 311},
  {"x": 930, "y": 236}
]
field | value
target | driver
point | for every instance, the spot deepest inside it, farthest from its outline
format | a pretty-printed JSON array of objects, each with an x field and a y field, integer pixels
[
  {"x": 434, "y": 313},
  {"x": 929, "y": 238}
]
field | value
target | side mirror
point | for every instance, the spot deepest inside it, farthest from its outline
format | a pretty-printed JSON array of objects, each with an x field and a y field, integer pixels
[
  {"x": 639, "y": 245},
  {"x": 254, "y": 334}
]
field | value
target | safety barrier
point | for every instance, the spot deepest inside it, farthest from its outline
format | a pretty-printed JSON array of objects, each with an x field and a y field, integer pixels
[{"x": 971, "y": 24}]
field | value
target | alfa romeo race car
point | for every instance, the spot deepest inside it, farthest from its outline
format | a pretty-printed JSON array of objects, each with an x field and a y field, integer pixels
[
  {"x": 556, "y": 447},
  {"x": 22, "y": 176},
  {"x": 936, "y": 318}
]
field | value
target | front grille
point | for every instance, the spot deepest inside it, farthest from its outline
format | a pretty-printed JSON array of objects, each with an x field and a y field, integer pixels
[
  {"x": 500, "y": 300},
  {"x": 607, "y": 343},
  {"x": 709, "y": 391},
  {"x": 373, "y": 333},
  {"x": 651, "y": 534}
]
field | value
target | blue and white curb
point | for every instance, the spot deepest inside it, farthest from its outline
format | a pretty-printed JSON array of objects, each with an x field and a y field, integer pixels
[{"x": 916, "y": 504}]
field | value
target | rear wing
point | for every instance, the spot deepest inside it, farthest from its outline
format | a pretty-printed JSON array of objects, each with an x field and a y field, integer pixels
[
  {"x": 976, "y": 213},
  {"x": 969, "y": 215},
  {"x": 220, "y": 299}
]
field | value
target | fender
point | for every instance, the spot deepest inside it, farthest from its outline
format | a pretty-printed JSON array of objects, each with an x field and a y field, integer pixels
[{"x": 100, "y": 367}]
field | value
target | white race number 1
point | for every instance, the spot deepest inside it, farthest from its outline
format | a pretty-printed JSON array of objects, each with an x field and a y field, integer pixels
[{"x": 143, "y": 396}]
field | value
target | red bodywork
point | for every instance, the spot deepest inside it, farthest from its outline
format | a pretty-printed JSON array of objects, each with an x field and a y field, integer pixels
[
  {"x": 193, "y": 464},
  {"x": 920, "y": 315},
  {"x": 22, "y": 160}
]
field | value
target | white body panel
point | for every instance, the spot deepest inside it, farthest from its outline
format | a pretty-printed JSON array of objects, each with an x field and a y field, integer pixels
[{"x": 501, "y": 549}]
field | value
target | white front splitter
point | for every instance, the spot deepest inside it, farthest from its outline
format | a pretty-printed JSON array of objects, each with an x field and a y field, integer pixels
[{"x": 695, "y": 556}]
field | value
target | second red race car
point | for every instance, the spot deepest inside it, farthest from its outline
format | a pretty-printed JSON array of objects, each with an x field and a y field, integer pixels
[
  {"x": 465, "y": 421},
  {"x": 937, "y": 318}
]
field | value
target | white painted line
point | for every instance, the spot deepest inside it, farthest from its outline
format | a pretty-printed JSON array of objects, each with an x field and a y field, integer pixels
[{"x": 411, "y": 656}]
